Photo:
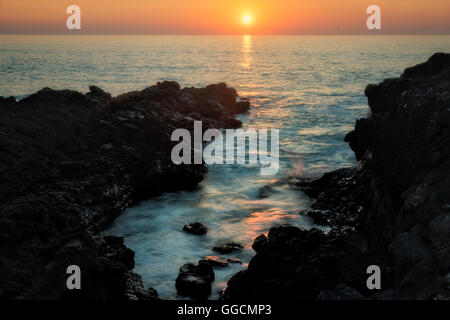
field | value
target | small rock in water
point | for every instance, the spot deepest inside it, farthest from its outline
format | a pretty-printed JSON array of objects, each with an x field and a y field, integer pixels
[
  {"x": 234, "y": 260},
  {"x": 265, "y": 192},
  {"x": 228, "y": 247},
  {"x": 195, "y": 228},
  {"x": 215, "y": 261},
  {"x": 195, "y": 280}
]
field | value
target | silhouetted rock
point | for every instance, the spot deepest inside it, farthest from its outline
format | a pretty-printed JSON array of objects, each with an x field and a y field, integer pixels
[
  {"x": 437, "y": 63},
  {"x": 96, "y": 94},
  {"x": 265, "y": 191},
  {"x": 220, "y": 98},
  {"x": 341, "y": 197},
  {"x": 135, "y": 289},
  {"x": 341, "y": 292},
  {"x": 406, "y": 150},
  {"x": 70, "y": 163},
  {"x": 234, "y": 260},
  {"x": 260, "y": 243},
  {"x": 195, "y": 280},
  {"x": 300, "y": 264},
  {"x": 195, "y": 228},
  {"x": 393, "y": 211},
  {"x": 241, "y": 106},
  {"x": 228, "y": 247}
]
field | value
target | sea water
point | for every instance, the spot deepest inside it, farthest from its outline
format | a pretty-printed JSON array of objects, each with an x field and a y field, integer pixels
[{"x": 311, "y": 88}]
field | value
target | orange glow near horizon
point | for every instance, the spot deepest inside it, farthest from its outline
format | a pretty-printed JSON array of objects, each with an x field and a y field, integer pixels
[{"x": 225, "y": 16}]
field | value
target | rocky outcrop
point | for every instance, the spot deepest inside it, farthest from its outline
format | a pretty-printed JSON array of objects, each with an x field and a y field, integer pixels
[
  {"x": 406, "y": 145},
  {"x": 71, "y": 162},
  {"x": 393, "y": 211}
]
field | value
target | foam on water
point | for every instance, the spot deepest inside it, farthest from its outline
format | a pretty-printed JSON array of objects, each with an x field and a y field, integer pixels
[{"x": 309, "y": 87}]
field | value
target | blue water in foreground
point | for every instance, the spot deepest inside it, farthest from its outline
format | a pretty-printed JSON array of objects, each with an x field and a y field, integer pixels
[{"x": 309, "y": 87}]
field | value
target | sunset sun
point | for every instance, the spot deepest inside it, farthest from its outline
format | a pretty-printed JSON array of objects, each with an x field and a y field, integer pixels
[{"x": 246, "y": 19}]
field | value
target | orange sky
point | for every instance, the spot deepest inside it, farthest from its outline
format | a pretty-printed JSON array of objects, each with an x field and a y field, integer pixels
[{"x": 225, "y": 16}]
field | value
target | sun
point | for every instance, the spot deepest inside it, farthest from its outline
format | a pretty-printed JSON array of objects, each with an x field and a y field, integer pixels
[{"x": 246, "y": 19}]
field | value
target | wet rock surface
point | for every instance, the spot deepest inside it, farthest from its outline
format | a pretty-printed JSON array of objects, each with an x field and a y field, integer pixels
[
  {"x": 393, "y": 211},
  {"x": 215, "y": 261},
  {"x": 339, "y": 197},
  {"x": 195, "y": 280},
  {"x": 71, "y": 162},
  {"x": 228, "y": 247},
  {"x": 234, "y": 260},
  {"x": 195, "y": 228},
  {"x": 135, "y": 289}
]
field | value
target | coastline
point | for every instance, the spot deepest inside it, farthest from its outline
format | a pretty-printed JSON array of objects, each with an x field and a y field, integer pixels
[
  {"x": 72, "y": 162},
  {"x": 54, "y": 209},
  {"x": 392, "y": 212}
]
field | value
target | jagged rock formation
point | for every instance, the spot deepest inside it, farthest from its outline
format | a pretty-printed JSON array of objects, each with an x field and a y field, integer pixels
[
  {"x": 393, "y": 212},
  {"x": 71, "y": 162}
]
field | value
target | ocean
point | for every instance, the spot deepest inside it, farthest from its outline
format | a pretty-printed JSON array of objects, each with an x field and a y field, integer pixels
[{"x": 311, "y": 88}]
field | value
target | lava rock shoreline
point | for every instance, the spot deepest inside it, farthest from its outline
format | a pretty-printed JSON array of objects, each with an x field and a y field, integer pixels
[
  {"x": 393, "y": 211},
  {"x": 70, "y": 163}
]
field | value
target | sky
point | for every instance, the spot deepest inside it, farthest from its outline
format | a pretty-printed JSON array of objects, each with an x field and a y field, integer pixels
[{"x": 225, "y": 16}]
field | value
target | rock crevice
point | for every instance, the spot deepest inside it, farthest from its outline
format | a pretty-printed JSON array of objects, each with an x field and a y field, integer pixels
[{"x": 393, "y": 211}]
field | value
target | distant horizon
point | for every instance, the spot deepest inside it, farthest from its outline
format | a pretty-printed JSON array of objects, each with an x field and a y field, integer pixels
[{"x": 224, "y": 34}]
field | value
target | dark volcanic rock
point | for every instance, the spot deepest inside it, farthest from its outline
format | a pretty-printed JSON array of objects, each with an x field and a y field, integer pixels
[
  {"x": 135, "y": 290},
  {"x": 214, "y": 261},
  {"x": 393, "y": 212},
  {"x": 260, "y": 243},
  {"x": 407, "y": 138},
  {"x": 219, "y": 97},
  {"x": 71, "y": 162},
  {"x": 195, "y": 280},
  {"x": 342, "y": 292},
  {"x": 240, "y": 107},
  {"x": 341, "y": 197},
  {"x": 300, "y": 264},
  {"x": 96, "y": 94},
  {"x": 228, "y": 247},
  {"x": 234, "y": 260},
  {"x": 195, "y": 228}
]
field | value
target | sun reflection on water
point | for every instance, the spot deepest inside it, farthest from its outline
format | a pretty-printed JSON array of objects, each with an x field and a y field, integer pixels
[{"x": 246, "y": 52}]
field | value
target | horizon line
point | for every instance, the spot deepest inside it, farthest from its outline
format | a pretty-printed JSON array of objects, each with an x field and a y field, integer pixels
[{"x": 71, "y": 33}]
